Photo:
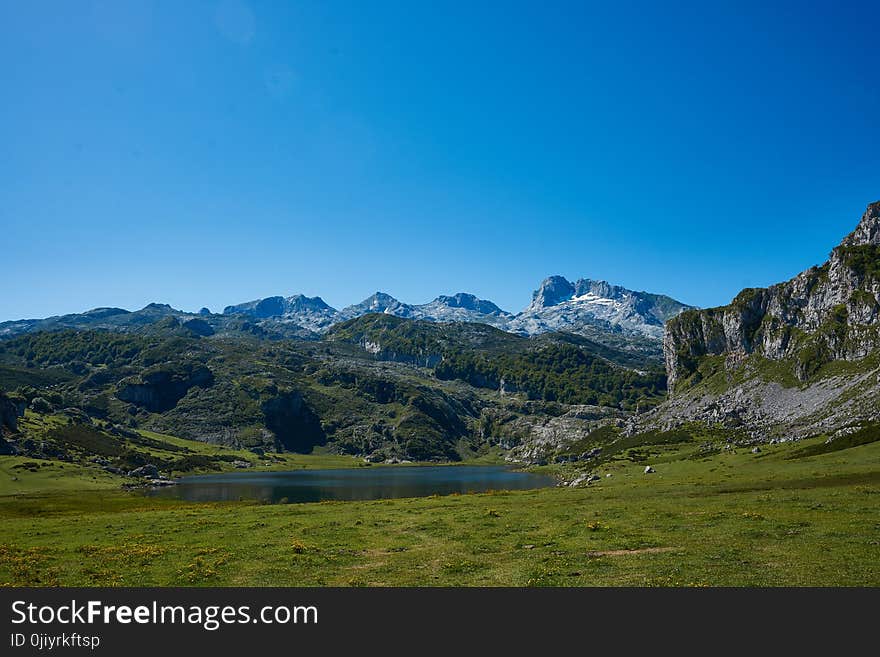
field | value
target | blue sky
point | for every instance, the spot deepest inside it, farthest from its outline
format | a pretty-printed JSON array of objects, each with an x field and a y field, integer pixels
[{"x": 207, "y": 153}]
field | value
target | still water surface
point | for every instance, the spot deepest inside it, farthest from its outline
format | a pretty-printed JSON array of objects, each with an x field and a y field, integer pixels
[{"x": 369, "y": 483}]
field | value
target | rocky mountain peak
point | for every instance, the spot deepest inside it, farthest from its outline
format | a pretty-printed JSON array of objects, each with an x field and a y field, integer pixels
[
  {"x": 602, "y": 289},
  {"x": 309, "y": 312},
  {"x": 468, "y": 302},
  {"x": 268, "y": 307},
  {"x": 100, "y": 313},
  {"x": 300, "y": 302},
  {"x": 160, "y": 309},
  {"x": 553, "y": 290},
  {"x": 868, "y": 230},
  {"x": 591, "y": 307},
  {"x": 379, "y": 302}
]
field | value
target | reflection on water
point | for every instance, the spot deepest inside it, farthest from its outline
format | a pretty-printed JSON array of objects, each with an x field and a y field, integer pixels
[{"x": 368, "y": 483}]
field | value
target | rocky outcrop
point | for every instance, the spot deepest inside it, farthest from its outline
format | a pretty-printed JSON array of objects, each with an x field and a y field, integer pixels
[
  {"x": 540, "y": 437},
  {"x": 159, "y": 388},
  {"x": 868, "y": 230},
  {"x": 11, "y": 408},
  {"x": 824, "y": 314}
]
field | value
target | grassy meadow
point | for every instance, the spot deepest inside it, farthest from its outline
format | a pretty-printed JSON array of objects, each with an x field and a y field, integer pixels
[{"x": 779, "y": 517}]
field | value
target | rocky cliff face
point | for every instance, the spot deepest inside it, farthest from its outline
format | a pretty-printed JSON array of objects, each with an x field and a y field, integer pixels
[
  {"x": 11, "y": 408},
  {"x": 824, "y": 314},
  {"x": 295, "y": 425}
]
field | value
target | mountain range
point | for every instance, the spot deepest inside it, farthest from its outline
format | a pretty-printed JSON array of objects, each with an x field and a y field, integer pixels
[
  {"x": 595, "y": 309},
  {"x": 385, "y": 379}
]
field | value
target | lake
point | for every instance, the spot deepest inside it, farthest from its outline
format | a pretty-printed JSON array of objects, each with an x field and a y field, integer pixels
[{"x": 367, "y": 483}]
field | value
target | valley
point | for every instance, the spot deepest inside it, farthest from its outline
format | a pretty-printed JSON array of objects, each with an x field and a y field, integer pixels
[
  {"x": 725, "y": 518},
  {"x": 731, "y": 446}
]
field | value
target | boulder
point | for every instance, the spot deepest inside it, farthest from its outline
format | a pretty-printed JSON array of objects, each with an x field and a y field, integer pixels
[
  {"x": 148, "y": 471},
  {"x": 584, "y": 478},
  {"x": 11, "y": 408}
]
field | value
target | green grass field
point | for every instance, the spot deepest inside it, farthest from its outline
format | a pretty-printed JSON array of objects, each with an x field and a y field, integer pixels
[{"x": 729, "y": 519}]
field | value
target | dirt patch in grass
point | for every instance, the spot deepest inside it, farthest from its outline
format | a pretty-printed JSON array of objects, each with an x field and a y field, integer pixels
[{"x": 623, "y": 553}]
